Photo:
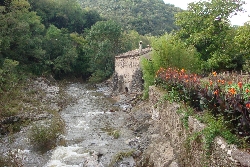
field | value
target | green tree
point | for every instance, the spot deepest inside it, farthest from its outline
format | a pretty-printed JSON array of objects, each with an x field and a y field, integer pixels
[
  {"x": 144, "y": 16},
  {"x": 81, "y": 65},
  {"x": 61, "y": 54},
  {"x": 130, "y": 40},
  {"x": 169, "y": 51},
  {"x": 65, "y": 14},
  {"x": 243, "y": 44},
  {"x": 103, "y": 45},
  {"x": 206, "y": 26},
  {"x": 21, "y": 33}
]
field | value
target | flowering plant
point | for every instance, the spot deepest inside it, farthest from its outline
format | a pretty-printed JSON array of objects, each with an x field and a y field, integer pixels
[{"x": 223, "y": 95}]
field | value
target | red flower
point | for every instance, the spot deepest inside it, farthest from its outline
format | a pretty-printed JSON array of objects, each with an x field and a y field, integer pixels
[
  {"x": 240, "y": 84},
  {"x": 248, "y": 105},
  {"x": 210, "y": 82},
  {"x": 222, "y": 82},
  {"x": 232, "y": 91},
  {"x": 247, "y": 90}
]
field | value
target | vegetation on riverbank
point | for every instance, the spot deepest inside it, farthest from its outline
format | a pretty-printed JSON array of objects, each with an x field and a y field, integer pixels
[
  {"x": 53, "y": 39},
  {"x": 59, "y": 38},
  {"x": 182, "y": 63},
  {"x": 224, "y": 97}
]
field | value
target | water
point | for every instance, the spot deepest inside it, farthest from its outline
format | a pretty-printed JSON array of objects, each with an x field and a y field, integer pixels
[
  {"x": 88, "y": 122},
  {"x": 91, "y": 124}
]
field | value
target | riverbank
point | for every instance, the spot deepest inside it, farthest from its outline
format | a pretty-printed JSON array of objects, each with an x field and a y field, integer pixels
[
  {"x": 99, "y": 126},
  {"x": 36, "y": 101}
]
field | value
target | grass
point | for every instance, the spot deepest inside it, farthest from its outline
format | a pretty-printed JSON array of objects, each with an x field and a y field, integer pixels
[
  {"x": 119, "y": 156},
  {"x": 115, "y": 134},
  {"x": 22, "y": 100},
  {"x": 112, "y": 132},
  {"x": 44, "y": 135},
  {"x": 214, "y": 127}
]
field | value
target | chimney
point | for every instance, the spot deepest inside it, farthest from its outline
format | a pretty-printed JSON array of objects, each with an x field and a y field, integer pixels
[{"x": 140, "y": 46}]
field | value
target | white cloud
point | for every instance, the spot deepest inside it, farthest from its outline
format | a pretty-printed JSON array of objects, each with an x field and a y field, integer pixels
[{"x": 238, "y": 19}]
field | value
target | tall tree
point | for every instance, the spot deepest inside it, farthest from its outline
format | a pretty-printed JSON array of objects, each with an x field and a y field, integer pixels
[
  {"x": 104, "y": 44},
  {"x": 61, "y": 54},
  {"x": 65, "y": 14},
  {"x": 21, "y": 33},
  {"x": 206, "y": 26},
  {"x": 243, "y": 44},
  {"x": 81, "y": 65}
]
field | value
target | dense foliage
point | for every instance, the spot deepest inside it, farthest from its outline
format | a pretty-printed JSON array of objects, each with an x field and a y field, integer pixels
[
  {"x": 205, "y": 29},
  {"x": 206, "y": 26},
  {"x": 223, "y": 95},
  {"x": 169, "y": 52},
  {"x": 20, "y": 33},
  {"x": 145, "y": 16},
  {"x": 205, "y": 42},
  {"x": 104, "y": 44},
  {"x": 61, "y": 38},
  {"x": 55, "y": 38},
  {"x": 65, "y": 14}
]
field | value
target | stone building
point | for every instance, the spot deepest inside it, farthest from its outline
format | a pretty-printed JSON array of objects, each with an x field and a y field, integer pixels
[{"x": 128, "y": 74}]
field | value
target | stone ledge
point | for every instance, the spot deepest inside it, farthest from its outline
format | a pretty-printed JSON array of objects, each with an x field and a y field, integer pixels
[
  {"x": 164, "y": 114},
  {"x": 243, "y": 158},
  {"x": 134, "y": 53}
]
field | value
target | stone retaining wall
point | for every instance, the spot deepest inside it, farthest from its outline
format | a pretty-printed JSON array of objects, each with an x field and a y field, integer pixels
[
  {"x": 193, "y": 154},
  {"x": 128, "y": 74}
]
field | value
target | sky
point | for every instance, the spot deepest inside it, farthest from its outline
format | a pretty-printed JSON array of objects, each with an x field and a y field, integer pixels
[{"x": 238, "y": 19}]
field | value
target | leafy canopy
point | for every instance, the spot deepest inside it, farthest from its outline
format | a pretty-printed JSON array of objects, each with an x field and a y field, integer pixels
[
  {"x": 169, "y": 51},
  {"x": 206, "y": 26},
  {"x": 144, "y": 16}
]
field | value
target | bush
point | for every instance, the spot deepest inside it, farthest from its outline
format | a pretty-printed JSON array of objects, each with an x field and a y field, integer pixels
[
  {"x": 9, "y": 88},
  {"x": 148, "y": 76},
  {"x": 226, "y": 96},
  {"x": 44, "y": 135},
  {"x": 169, "y": 52},
  {"x": 8, "y": 75},
  {"x": 98, "y": 76}
]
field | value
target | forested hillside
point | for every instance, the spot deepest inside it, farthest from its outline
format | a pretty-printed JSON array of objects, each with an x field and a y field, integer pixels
[
  {"x": 145, "y": 16},
  {"x": 54, "y": 39},
  {"x": 61, "y": 38}
]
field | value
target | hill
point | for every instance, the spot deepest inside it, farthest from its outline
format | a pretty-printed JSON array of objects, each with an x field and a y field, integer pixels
[{"x": 145, "y": 16}]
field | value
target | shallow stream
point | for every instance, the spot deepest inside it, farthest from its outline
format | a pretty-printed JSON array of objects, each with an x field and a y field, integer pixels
[{"x": 94, "y": 134}]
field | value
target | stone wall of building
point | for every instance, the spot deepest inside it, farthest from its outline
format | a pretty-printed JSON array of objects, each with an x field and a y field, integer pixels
[
  {"x": 189, "y": 152},
  {"x": 128, "y": 74}
]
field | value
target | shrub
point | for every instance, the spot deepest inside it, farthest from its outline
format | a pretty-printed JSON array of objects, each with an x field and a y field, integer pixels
[
  {"x": 148, "y": 76},
  {"x": 44, "y": 135},
  {"x": 9, "y": 88},
  {"x": 98, "y": 76},
  {"x": 8, "y": 75},
  {"x": 169, "y": 52},
  {"x": 226, "y": 96}
]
